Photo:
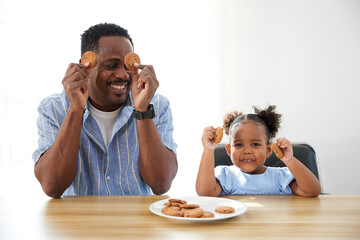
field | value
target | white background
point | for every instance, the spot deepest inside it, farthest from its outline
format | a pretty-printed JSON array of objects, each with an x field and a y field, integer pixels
[{"x": 210, "y": 57}]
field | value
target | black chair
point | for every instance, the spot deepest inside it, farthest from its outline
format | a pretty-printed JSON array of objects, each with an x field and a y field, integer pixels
[{"x": 302, "y": 151}]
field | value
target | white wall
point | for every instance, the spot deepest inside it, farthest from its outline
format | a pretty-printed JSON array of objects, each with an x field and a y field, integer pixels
[
  {"x": 304, "y": 57},
  {"x": 210, "y": 57},
  {"x": 40, "y": 38}
]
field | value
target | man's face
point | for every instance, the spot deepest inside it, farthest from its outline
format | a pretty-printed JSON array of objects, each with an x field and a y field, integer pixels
[{"x": 110, "y": 80}]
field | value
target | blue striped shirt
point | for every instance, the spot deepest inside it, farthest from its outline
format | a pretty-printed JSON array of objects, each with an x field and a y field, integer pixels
[{"x": 104, "y": 172}]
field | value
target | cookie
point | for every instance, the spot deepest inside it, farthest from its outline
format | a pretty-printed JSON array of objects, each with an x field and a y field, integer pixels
[
  {"x": 171, "y": 211},
  {"x": 169, "y": 204},
  {"x": 224, "y": 209},
  {"x": 180, "y": 208},
  {"x": 218, "y": 134},
  {"x": 189, "y": 206},
  {"x": 193, "y": 213},
  {"x": 89, "y": 57},
  {"x": 182, "y": 211},
  {"x": 207, "y": 215},
  {"x": 173, "y": 200},
  {"x": 277, "y": 150},
  {"x": 130, "y": 59}
]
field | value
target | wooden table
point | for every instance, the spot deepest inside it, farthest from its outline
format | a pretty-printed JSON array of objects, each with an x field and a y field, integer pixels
[{"x": 118, "y": 217}]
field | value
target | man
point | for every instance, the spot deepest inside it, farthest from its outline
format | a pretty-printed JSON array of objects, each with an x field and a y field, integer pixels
[{"x": 90, "y": 140}]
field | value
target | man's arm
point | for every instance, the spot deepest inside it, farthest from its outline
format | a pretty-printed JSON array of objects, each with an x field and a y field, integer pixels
[
  {"x": 158, "y": 165},
  {"x": 57, "y": 167}
]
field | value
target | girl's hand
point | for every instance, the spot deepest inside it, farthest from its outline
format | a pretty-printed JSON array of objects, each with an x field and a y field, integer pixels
[
  {"x": 286, "y": 146},
  {"x": 208, "y": 138}
]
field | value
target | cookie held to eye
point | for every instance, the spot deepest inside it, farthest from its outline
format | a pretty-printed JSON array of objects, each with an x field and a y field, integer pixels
[
  {"x": 130, "y": 59},
  {"x": 277, "y": 150},
  {"x": 89, "y": 57},
  {"x": 218, "y": 134}
]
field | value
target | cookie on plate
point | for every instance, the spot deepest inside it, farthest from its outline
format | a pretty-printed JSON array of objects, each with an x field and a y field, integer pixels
[
  {"x": 173, "y": 200},
  {"x": 189, "y": 206},
  {"x": 224, "y": 210},
  {"x": 207, "y": 215},
  {"x": 171, "y": 211},
  {"x": 193, "y": 213}
]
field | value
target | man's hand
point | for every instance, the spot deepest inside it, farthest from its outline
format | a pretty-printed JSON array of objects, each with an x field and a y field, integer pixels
[
  {"x": 143, "y": 86},
  {"x": 57, "y": 167},
  {"x": 76, "y": 86},
  {"x": 158, "y": 165}
]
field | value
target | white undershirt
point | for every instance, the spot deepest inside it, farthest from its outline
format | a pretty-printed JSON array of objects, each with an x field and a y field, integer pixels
[{"x": 105, "y": 121}]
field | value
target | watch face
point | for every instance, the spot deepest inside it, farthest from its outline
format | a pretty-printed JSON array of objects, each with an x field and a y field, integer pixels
[
  {"x": 137, "y": 115},
  {"x": 150, "y": 113}
]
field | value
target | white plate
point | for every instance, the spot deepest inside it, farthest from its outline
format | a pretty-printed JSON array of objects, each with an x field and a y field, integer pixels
[{"x": 206, "y": 203}]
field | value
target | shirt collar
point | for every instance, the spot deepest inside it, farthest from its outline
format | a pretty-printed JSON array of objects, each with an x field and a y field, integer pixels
[{"x": 127, "y": 104}]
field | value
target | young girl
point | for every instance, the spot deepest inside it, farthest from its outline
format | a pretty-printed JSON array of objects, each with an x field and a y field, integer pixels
[{"x": 248, "y": 148}]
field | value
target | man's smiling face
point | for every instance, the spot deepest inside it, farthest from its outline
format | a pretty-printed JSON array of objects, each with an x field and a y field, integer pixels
[{"x": 110, "y": 80}]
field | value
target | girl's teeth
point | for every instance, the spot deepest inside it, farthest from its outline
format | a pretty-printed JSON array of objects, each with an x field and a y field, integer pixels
[{"x": 117, "y": 86}]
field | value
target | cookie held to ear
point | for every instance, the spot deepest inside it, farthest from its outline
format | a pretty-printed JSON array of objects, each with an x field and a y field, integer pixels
[
  {"x": 130, "y": 59},
  {"x": 89, "y": 57},
  {"x": 218, "y": 134},
  {"x": 277, "y": 150}
]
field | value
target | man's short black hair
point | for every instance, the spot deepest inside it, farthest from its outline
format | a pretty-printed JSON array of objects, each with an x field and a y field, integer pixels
[{"x": 90, "y": 38}]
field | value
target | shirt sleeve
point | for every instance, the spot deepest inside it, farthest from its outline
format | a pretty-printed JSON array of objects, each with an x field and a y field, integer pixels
[
  {"x": 48, "y": 127},
  {"x": 285, "y": 177},
  {"x": 164, "y": 122},
  {"x": 223, "y": 177}
]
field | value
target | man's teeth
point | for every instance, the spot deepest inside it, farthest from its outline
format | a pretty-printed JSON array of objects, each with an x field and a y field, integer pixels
[{"x": 119, "y": 87}]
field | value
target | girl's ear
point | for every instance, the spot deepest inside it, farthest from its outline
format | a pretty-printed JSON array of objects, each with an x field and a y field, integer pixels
[
  {"x": 268, "y": 150},
  {"x": 228, "y": 149}
]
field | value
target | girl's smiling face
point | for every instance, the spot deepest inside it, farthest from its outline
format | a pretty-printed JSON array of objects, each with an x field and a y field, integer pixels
[{"x": 249, "y": 147}]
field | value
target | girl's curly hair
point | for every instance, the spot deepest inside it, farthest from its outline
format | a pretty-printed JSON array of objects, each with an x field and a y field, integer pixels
[{"x": 267, "y": 117}]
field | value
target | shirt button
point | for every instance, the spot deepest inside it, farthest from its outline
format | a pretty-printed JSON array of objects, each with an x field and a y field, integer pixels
[{"x": 108, "y": 177}]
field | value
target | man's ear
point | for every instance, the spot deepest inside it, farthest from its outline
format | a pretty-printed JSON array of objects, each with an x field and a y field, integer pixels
[{"x": 228, "y": 149}]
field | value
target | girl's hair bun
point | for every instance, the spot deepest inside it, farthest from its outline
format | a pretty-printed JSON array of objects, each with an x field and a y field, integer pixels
[{"x": 267, "y": 117}]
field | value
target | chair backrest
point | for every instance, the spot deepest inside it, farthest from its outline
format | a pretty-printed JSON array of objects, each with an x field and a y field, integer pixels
[{"x": 302, "y": 151}]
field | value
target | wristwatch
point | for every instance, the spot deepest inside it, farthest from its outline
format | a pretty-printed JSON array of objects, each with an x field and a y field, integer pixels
[{"x": 149, "y": 113}]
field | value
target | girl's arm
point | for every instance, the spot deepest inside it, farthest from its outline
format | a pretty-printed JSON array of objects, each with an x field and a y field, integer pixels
[
  {"x": 305, "y": 184},
  {"x": 206, "y": 184}
]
